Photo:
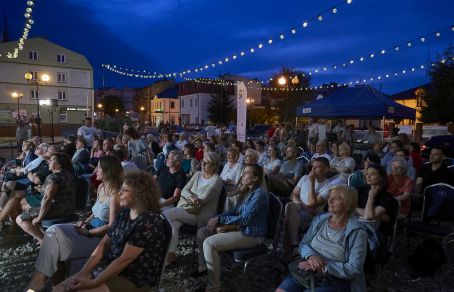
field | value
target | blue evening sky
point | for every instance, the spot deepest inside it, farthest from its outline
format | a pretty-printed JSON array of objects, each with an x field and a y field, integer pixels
[{"x": 175, "y": 35}]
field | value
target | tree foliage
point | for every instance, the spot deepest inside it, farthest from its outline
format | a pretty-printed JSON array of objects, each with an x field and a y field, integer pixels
[
  {"x": 220, "y": 107},
  {"x": 286, "y": 101},
  {"x": 438, "y": 104},
  {"x": 112, "y": 102}
]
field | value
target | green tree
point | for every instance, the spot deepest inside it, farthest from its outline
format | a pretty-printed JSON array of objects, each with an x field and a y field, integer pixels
[
  {"x": 291, "y": 95},
  {"x": 220, "y": 107},
  {"x": 438, "y": 104},
  {"x": 111, "y": 103}
]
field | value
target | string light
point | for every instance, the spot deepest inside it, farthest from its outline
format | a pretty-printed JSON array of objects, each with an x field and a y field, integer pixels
[
  {"x": 395, "y": 48},
  {"x": 281, "y": 36},
  {"x": 27, "y": 27}
]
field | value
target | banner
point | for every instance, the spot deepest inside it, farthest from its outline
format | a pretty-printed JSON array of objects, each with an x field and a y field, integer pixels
[{"x": 241, "y": 111}]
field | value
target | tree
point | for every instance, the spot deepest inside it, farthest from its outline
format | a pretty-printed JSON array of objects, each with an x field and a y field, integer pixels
[
  {"x": 111, "y": 103},
  {"x": 291, "y": 95},
  {"x": 220, "y": 107},
  {"x": 438, "y": 104}
]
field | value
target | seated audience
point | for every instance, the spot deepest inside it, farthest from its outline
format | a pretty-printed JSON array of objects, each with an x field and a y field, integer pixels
[
  {"x": 272, "y": 164},
  {"x": 283, "y": 183},
  {"x": 358, "y": 178},
  {"x": 56, "y": 200},
  {"x": 307, "y": 199},
  {"x": 343, "y": 164},
  {"x": 260, "y": 148},
  {"x": 335, "y": 246},
  {"x": 434, "y": 172},
  {"x": 171, "y": 179},
  {"x": 65, "y": 242},
  {"x": 415, "y": 153},
  {"x": 403, "y": 154},
  {"x": 138, "y": 149},
  {"x": 392, "y": 149},
  {"x": 231, "y": 173},
  {"x": 334, "y": 150},
  {"x": 198, "y": 201},
  {"x": 81, "y": 157},
  {"x": 95, "y": 153},
  {"x": 190, "y": 165},
  {"x": 349, "y": 135},
  {"x": 122, "y": 153},
  {"x": 251, "y": 217},
  {"x": 400, "y": 185},
  {"x": 371, "y": 136},
  {"x": 375, "y": 203},
  {"x": 129, "y": 256},
  {"x": 321, "y": 150}
]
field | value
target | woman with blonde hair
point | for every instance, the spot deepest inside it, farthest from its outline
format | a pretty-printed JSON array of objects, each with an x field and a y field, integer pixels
[
  {"x": 343, "y": 164},
  {"x": 198, "y": 201},
  {"x": 334, "y": 248}
]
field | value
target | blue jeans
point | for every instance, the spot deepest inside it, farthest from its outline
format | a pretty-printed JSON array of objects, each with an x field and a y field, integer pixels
[{"x": 333, "y": 285}]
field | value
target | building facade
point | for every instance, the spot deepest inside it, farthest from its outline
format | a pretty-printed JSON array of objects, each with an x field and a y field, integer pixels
[
  {"x": 70, "y": 83},
  {"x": 165, "y": 108}
]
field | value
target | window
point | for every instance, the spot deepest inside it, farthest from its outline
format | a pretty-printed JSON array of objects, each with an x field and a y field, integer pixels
[
  {"x": 190, "y": 102},
  {"x": 61, "y": 77},
  {"x": 62, "y": 95},
  {"x": 63, "y": 116},
  {"x": 33, "y": 55},
  {"x": 172, "y": 104},
  {"x": 34, "y": 75},
  {"x": 34, "y": 94},
  {"x": 196, "y": 102},
  {"x": 61, "y": 58},
  {"x": 182, "y": 103}
]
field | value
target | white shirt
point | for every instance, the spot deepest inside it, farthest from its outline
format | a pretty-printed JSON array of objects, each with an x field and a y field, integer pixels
[
  {"x": 128, "y": 165},
  {"x": 321, "y": 189},
  {"x": 232, "y": 173},
  {"x": 326, "y": 155},
  {"x": 211, "y": 131},
  {"x": 180, "y": 144},
  {"x": 88, "y": 133}
]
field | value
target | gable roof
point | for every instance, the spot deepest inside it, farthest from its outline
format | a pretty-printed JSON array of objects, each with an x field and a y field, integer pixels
[
  {"x": 410, "y": 93},
  {"x": 171, "y": 92}
]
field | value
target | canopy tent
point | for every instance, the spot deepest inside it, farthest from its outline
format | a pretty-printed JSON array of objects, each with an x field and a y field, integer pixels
[{"x": 356, "y": 103}]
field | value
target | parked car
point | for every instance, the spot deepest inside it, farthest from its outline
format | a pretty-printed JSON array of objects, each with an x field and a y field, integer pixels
[{"x": 447, "y": 141}]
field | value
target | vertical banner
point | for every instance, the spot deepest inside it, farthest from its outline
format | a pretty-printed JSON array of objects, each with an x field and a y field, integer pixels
[{"x": 241, "y": 111}]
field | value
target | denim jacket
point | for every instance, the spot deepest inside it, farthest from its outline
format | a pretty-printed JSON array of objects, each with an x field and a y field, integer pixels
[
  {"x": 251, "y": 215},
  {"x": 355, "y": 242}
]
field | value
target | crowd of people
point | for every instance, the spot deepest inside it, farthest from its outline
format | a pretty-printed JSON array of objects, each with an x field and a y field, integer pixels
[{"x": 335, "y": 205}]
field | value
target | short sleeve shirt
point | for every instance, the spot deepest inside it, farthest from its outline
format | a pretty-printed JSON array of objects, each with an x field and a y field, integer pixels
[
  {"x": 170, "y": 181},
  {"x": 290, "y": 169},
  {"x": 147, "y": 232}
]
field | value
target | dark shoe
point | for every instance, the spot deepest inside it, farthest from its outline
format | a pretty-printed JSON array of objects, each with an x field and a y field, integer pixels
[{"x": 197, "y": 274}]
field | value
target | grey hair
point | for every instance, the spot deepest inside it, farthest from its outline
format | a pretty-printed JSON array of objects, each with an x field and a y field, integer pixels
[
  {"x": 402, "y": 162},
  {"x": 177, "y": 156}
]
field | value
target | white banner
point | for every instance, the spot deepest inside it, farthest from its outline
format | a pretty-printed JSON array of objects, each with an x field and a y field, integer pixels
[{"x": 241, "y": 111}]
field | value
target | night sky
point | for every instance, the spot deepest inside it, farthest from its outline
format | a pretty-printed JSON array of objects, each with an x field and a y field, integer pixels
[{"x": 175, "y": 35}]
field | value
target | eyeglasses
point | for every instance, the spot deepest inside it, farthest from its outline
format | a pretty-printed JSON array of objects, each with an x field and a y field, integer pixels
[{"x": 205, "y": 163}]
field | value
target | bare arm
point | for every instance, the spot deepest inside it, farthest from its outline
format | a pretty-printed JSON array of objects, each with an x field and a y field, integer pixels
[
  {"x": 172, "y": 200},
  {"x": 49, "y": 195},
  {"x": 114, "y": 209}
]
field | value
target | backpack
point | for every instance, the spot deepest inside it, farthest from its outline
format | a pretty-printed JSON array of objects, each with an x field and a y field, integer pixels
[{"x": 427, "y": 259}]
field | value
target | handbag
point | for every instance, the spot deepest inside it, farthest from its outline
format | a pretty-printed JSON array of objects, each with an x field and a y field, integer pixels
[
  {"x": 227, "y": 228},
  {"x": 304, "y": 278},
  {"x": 190, "y": 208}
]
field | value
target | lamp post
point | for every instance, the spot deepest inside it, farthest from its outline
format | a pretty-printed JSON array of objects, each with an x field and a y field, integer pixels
[
  {"x": 44, "y": 78},
  {"x": 283, "y": 82},
  {"x": 18, "y": 96},
  {"x": 249, "y": 102},
  {"x": 52, "y": 105}
]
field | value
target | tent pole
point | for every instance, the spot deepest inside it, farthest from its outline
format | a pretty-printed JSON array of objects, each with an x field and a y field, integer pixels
[{"x": 383, "y": 132}]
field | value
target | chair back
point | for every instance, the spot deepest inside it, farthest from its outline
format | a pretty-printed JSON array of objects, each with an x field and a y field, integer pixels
[
  {"x": 438, "y": 203},
  {"x": 167, "y": 237},
  {"x": 222, "y": 198},
  {"x": 274, "y": 219},
  {"x": 392, "y": 242},
  {"x": 303, "y": 160},
  {"x": 349, "y": 178},
  {"x": 82, "y": 193}
]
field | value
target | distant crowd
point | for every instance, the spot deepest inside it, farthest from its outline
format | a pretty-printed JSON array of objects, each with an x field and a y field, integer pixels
[{"x": 340, "y": 207}]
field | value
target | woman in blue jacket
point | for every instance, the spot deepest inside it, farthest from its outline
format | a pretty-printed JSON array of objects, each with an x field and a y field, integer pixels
[
  {"x": 251, "y": 218},
  {"x": 335, "y": 246}
]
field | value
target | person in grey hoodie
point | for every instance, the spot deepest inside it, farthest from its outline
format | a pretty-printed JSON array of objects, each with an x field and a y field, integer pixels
[{"x": 335, "y": 246}]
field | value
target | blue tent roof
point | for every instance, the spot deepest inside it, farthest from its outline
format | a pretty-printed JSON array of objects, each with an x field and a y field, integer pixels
[{"x": 358, "y": 103}]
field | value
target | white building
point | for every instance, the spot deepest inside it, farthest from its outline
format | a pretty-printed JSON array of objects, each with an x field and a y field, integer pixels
[
  {"x": 194, "y": 108},
  {"x": 71, "y": 82},
  {"x": 165, "y": 107}
]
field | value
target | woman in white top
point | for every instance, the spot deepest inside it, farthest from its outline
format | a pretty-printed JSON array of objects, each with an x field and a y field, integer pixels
[
  {"x": 273, "y": 164},
  {"x": 198, "y": 201},
  {"x": 231, "y": 173},
  {"x": 343, "y": 164}
]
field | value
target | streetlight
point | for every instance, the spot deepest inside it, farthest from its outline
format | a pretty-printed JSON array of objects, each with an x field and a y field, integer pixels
[
  {"x": 249, "y": 102},
  {"x": 283, "y": 82},
  {"x": 18, "y": 96},
  {"x": 37, "y": 82},
  {"x": 52, "y": 105}
]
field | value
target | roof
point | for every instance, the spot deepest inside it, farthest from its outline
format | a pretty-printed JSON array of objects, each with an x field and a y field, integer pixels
[
  {"x": 358, "y": 103},
  {"x": 410, "y": 93},
  {"x": 171, "y": 92}
]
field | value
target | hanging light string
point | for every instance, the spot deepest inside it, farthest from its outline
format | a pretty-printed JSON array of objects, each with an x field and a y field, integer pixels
[
  {"x": 233, "y": 57},
  {"x": 27, "y": 27},
  {"x": 381, "y": 52},
  {"x": 381, "y": 77}
]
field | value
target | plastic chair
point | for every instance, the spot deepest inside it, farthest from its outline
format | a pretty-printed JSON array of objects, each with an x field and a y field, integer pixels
[
  {"x": 247, "y": 255},
  {"x": 438, "y": 206},
  {"x": 168, "y": 236},
  {"x": 349, "y": 178}
]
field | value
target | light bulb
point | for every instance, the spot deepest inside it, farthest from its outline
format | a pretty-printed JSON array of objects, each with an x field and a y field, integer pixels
[
  {"x": 320, "y": 18},
  {"x": 305, "y": 24},
  {"x": 334, "y": 10},
  {"x": 281, "y": 36},
  {"x": 270, "y": 42},
  {"x": 293, "y": 31}
]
